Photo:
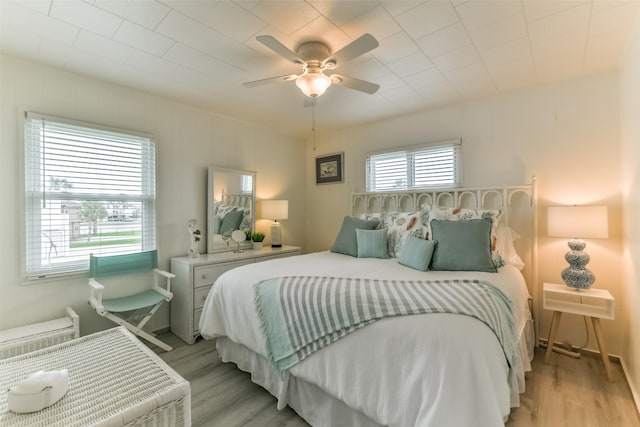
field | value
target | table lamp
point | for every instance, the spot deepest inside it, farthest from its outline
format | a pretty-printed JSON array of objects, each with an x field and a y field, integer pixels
[
  {"x": 577, "y": 222},
  {"x": 275, "y": 210}
]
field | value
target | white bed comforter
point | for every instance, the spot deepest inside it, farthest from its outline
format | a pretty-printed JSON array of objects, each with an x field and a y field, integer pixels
[{"x": 420, "y": 370}]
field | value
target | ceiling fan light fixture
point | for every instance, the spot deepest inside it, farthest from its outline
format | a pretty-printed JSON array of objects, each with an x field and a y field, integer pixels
[{"x": 313, "y": 83}]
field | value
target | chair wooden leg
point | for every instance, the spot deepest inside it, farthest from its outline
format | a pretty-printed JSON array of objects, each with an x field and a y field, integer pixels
[
  {"x": 139, "y": 332},
  {"x": 151, "y": 312}
]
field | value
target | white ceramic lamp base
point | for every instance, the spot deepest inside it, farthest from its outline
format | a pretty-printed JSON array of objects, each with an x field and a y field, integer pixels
[{"x": 276, "y": 240}]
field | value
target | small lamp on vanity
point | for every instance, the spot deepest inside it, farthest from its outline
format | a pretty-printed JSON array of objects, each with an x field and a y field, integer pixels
[
  {"x": 578, "y": 222},
  {"x": 275, "y": 210}
]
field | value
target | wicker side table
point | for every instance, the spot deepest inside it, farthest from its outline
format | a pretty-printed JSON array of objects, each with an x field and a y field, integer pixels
[{"x": 114, "y": 380}]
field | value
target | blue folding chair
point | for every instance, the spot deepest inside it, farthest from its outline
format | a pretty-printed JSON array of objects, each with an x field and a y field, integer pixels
[{"x": 127, "y": 309}]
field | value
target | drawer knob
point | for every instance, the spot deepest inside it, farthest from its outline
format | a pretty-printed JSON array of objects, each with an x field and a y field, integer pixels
[{"x": 204, "y": 276}]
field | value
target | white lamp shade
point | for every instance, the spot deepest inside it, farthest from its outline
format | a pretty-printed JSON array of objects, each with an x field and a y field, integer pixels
[
  {"x": 580, "y": 222},
  {"x": 275, "y": 209},
  {"x": 313, "y": 83}
]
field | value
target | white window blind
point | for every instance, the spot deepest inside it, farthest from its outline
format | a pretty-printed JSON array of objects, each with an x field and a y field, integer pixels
[
  {"x": 429, "y": 166},
  {"x": 88, "y": 190}
]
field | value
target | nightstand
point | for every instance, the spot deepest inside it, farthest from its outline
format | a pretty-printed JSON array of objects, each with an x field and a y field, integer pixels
[{"x": 594, "y": 303}]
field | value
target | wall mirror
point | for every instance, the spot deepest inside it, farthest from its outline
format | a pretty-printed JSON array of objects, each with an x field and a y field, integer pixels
[{"x": 231, "y": 201}]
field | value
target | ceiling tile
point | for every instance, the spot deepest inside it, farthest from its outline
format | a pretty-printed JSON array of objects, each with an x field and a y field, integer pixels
[
  {"x": 558, "y": 58},
  {"x": 323, "y": 30},
  {"x": 476, "y": 14},
  {"x": 425, "y": 78},
  {"x": 570, "y": 45},
  {"x": 56, "y": 53},
  {"x": 86, "y": 16},
  {"x": 37, "y": 23},
  {"x": 395, "y": 47},
  {"x": 538, "y": 9},
  {"x": 439, "y": 93},
  {"x": 204, "y": 39},
  {"x": 141, "y": 38},
  {"x": 410, "y": 64},
  {"x": 198, "y": 61},
  {"x": 340, "y": 12},
  {"x": 462, "y": 57},
  {"x": 474, "y": 77},
  {"x": 501, "y": 32},
  {"x": 566, "y": 22},
  {"x": 148, "y": 13},
  {"x": 444, "y": 41},
  {"x": 395, "y": 7},
  {"x": 389, "y": 81},
  {"x": 377, "y": 22},
  {"x": 365, "y": 67},
  {"x": 40, "y": 6},
  {"x": 103, "y": 47},
  {"x": 514, "y": 51},
  {"x": 427, "y": 18},
  {"x": 621, "y": 17},
  {"x": 162, "y": 68},
  {"x": 224, "y": 16},
  {"x": 287, "y": 16}
]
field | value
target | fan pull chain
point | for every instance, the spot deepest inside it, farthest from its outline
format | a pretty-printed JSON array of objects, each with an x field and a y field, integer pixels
[{"x": 313, "y": 121}]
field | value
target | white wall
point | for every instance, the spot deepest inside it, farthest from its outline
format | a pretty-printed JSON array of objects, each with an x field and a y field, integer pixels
[
  {"x": 188, "y": 140},
  {"x": 567, "y": 134},
  {"x": 630, "y": 100}
]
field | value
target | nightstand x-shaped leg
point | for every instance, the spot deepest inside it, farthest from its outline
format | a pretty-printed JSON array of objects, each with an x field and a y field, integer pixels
[{"x": 555, "y": 322}]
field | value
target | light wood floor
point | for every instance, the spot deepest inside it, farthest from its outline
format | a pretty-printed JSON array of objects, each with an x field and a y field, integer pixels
[{"x": 566, "y": 393}]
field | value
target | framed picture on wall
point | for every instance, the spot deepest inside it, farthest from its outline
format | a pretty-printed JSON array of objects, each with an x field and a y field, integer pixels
[{"x": 330, "y": 168}]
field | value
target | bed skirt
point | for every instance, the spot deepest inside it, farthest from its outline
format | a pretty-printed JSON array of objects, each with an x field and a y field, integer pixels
[{"x": 316, "y": 406}]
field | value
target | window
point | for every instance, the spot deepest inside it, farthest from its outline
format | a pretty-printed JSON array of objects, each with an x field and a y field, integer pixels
[
  {"x": 89, "y": 189},
  {"x": 428, "y": 166}
]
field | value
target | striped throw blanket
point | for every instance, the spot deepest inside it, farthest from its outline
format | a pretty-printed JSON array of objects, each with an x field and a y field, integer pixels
[{"x": 301, "y": 314}]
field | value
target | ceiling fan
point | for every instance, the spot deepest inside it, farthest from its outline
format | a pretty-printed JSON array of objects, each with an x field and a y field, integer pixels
[{"x": 315, "y": 61}]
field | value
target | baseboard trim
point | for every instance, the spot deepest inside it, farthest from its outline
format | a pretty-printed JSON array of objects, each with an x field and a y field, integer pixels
[{"x": 634, "y": 392}]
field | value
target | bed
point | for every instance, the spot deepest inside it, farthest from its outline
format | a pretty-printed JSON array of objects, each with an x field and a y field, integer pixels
[{"x": 424, "y": 369}]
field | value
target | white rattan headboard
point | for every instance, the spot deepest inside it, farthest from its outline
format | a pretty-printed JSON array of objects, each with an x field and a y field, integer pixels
[
  {"x": 242, "y": 200},
  {"x": 518, "y": 204}
]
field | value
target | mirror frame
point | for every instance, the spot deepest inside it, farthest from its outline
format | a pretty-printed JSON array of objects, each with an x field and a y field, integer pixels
[{"x": 218, "y": 245}]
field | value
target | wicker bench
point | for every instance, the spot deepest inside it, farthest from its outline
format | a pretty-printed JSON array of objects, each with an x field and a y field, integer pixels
[
  {"x": 114, "y": 380},
  {"x": 39, "y": 335}
]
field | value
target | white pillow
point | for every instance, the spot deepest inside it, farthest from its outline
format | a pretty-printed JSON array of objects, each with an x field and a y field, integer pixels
[{"x": 504, "y": 246}]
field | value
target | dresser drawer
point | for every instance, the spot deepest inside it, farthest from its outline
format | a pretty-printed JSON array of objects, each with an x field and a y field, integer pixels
[
  {"x": 206, "y": 275},
  {"x": 199, "y": 296}
]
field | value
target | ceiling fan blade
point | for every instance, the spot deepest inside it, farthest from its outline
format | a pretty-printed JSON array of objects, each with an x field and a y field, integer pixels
[
  {"x": 278, "y": 79},
  {"x": 353, "y": 83},
  {"x": 359, "y": 46},
  {"x": 273, "y": 44}
]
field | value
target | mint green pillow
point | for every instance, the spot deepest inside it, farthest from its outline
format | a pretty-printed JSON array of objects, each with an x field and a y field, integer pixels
[
  {"x": 231, "y": 221},
  {"x": 372, "y": 243},
  {"x": 462, "y": 245},
  {"x": 417, "y": 253},
  {"x": 346, "y": 242}
]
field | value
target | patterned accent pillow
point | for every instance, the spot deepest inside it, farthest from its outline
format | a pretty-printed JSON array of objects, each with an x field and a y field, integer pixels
[
  {"x": 221, "y": 212},
  {"x": 246, "y": 219},
  {"x": 462, "y": 214},
  {"x": 400, "y": 225}
]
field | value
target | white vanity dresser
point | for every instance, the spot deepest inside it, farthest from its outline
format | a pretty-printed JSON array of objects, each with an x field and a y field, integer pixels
[{"x": 195, "y": 276}]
